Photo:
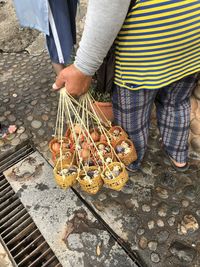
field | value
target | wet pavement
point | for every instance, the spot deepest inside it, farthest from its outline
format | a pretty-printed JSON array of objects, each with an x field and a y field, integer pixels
[
  {"x": 70, "y": 229},
  {"x": 156, "y": 215}
]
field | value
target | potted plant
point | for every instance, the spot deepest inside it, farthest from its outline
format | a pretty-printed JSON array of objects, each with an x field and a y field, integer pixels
[{"x": 102, "y": 102}]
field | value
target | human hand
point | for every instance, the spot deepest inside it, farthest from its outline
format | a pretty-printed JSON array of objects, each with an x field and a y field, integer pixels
[{"x": 76, "y": 82}]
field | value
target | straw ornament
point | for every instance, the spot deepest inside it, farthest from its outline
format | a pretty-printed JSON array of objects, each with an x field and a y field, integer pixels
[{"x": 84, "y": 147}]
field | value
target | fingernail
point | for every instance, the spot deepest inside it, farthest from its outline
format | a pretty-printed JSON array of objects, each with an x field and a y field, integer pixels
[{"x": 55, "y": 87}]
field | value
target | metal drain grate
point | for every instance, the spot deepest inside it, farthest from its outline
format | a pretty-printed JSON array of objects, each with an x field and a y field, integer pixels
[
  {"x": 21, "y": 151},
  {"x": 20, "y": 235}
]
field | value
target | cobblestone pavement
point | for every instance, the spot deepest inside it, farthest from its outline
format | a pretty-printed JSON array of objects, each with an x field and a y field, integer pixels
[{"x": 157, "y": 214}]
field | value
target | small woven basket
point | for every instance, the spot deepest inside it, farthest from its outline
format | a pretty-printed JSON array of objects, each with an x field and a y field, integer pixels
[
  {"x": 73, "y": 134},
  {"x": 107, "y": 160},
  {"x": 64, "y": 181},
  {"x": 115, "y": 139},
  {"x": 131, "y": 156},
  {"x": 51, "y": 143},
  {"x": 65, "y": 145},
  {"x": 107, "y": 154},
  {"x": 118, "y": 182},
  {"x": 67, "y": 158},
  {"x": 93, "y": 185},
  {"x": 95, "y": 134}
]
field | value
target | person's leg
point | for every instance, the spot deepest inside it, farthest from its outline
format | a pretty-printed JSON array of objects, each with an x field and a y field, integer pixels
[
  {"x": 132, "y": 111},
  {"x": 173, "y": 115},
  {"x": 62, "y": 32},
  {"x": 58, "y": 67}
]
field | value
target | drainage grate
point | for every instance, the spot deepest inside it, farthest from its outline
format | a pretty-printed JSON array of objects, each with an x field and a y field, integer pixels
[
  {"x": 21, "y": 151},
  {"x": 22, "y": 238}
]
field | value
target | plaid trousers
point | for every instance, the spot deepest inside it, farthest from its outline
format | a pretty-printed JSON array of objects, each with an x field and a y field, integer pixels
[{"x": 132, "y": 110}]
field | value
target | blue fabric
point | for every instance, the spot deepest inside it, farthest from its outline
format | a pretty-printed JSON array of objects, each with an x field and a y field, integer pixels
[
  {"x": 33, "y": 14},
  {"x": 64, "y": 13},
  {"x": 132, "y": 110}
]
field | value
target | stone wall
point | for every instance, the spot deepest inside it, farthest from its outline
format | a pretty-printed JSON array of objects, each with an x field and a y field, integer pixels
[{"x": 194, "y": 138}]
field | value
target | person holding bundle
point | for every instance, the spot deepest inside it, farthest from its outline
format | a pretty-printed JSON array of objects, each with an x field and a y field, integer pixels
[
  {"x": 157, "y": 53},
  {"x": 56, "y": 19}
]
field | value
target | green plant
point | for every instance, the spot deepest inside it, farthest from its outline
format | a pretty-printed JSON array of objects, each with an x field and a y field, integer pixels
[{"x": 99, "y": 96}]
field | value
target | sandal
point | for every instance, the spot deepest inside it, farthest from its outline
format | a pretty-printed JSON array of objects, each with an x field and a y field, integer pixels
[
  {"x": 178, "y": 169},
  {"x": 133, "y": 169}
]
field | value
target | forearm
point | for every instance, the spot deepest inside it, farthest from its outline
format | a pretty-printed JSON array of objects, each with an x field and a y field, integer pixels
[{"x": 104, "y": 20}]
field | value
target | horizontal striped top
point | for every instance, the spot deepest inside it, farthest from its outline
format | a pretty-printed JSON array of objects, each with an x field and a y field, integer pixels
[{"x": 158, "y": 44}]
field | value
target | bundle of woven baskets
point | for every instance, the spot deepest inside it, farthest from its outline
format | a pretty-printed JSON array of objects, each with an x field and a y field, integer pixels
[{"x": 87, "y": 151}]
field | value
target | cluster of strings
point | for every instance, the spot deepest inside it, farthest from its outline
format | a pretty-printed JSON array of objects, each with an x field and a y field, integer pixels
[
  {"x": 87, "y": 148},
  {"x": 78, "y": 121}
]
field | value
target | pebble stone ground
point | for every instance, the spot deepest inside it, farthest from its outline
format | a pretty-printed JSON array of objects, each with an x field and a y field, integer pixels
[{"x": 157, "y": 214}]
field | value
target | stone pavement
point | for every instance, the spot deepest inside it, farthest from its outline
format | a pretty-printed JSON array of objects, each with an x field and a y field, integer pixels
[
  {"x": 73, "y": 233},
  {"x": 4, "y": 259},
  {"x": 156, "y": 215}
]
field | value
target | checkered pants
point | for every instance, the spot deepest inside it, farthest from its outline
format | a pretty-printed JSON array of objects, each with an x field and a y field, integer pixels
[{"x": 132, "y": 110}]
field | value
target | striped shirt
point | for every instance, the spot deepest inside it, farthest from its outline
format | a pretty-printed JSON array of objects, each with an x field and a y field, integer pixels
[{"x": 158, "y": 44}]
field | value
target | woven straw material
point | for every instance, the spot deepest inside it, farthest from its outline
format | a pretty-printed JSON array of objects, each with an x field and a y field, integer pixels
[
  {"x": 107, "y": 154},
  {"x": 131, "y": 156},
  {"x": 71, "y": 133},
  {"x": 122, "y": 135},
  {"x": 93, "y": 185},
  {"x": 56, "y": 140},
  {"x": 62, "y": 180},
  {"x": 68, "y": 157},
  {"x": 118, "y": 182}
]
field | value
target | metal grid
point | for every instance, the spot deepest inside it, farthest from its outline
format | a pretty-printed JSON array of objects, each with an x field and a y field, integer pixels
[{"x": 23, "y": 240}]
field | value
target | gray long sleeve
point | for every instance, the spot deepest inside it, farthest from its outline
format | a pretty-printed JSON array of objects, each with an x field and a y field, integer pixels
[{"x": 104, "y": 20}]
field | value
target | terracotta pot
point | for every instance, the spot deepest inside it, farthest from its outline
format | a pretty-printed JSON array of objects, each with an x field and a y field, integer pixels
[{"x": 106, "y": 109}]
